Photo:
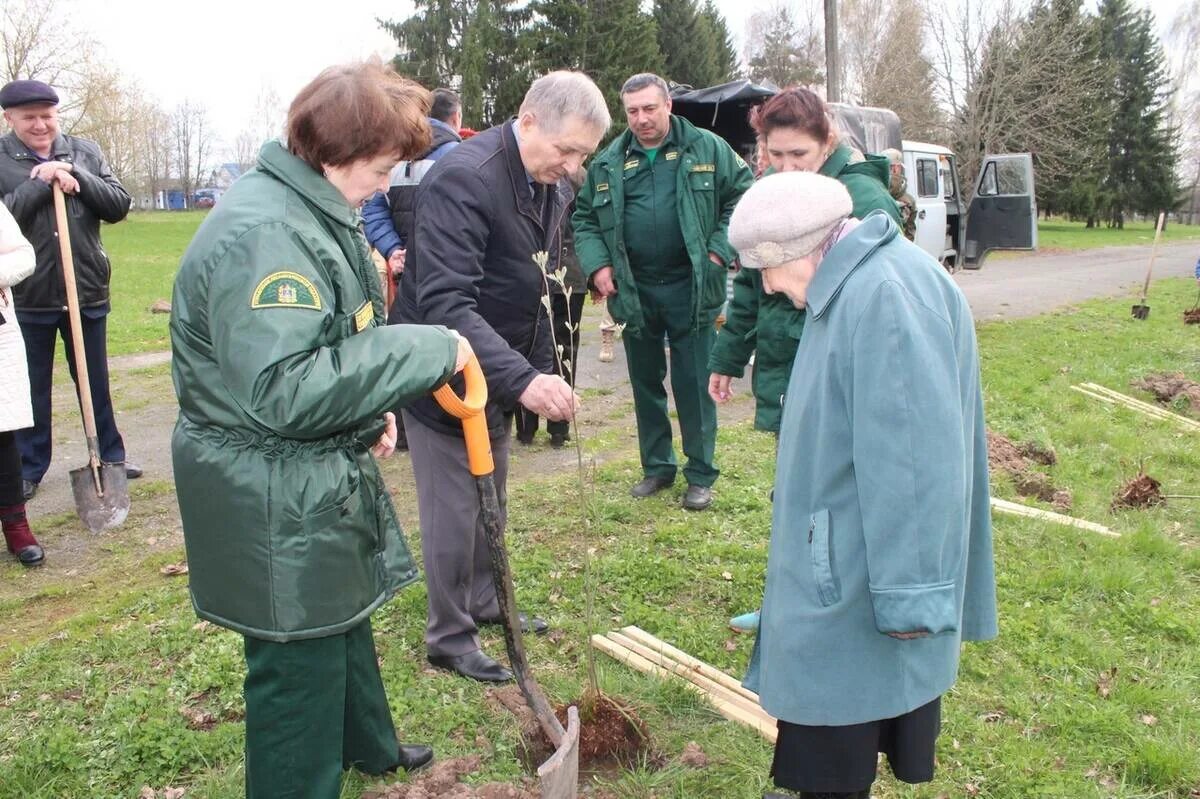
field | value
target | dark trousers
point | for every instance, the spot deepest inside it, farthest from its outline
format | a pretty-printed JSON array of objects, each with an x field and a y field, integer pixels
[
  {"x": 566, "y": 334},
  {"x": 667, "y": 310},
  {"x": 314, "y": 708},
  {"x": 35, "y": 442},
  {"x": 454, "y": 548},
  {"x": 10, "y": 471}
]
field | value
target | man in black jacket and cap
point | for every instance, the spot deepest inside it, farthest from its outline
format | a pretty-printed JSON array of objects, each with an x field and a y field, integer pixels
[
  {"x": 34, "y": 156},
  {"x": 483, "y": 212}
]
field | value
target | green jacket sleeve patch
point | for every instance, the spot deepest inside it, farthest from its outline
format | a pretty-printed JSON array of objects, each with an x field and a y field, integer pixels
[{"x": 285, "y": 290}]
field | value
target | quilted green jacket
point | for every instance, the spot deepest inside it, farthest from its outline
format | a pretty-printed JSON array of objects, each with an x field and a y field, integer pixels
[
  {"x": 769, "y": 326},
  {"x": 283, "y": 371}
]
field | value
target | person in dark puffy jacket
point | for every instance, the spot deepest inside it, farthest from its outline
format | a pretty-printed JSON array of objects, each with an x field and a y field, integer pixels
[{"x": 33, "y": 157}]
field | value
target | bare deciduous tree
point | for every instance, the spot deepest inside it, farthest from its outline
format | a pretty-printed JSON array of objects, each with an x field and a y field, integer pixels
[
  {"x": 784, "y": 46},
  {"x": 1184, "y": 38},
  {"x": 884, "y": 63},
  {"x": 1018, "y": 83},
  {"x": 192, "y": 145}
]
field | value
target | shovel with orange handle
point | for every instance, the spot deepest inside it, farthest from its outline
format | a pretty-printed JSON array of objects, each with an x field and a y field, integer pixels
[{"x": 559, "y": 775}]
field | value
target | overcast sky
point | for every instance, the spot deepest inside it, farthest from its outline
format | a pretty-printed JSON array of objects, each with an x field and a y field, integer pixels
[{"x": 223, "y": 53}]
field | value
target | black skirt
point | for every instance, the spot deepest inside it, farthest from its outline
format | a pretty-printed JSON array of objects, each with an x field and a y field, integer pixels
[{"x": 843, "y": 759}]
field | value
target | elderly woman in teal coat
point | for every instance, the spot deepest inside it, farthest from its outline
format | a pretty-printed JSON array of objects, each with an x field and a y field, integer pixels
[{"x": 880, "y": 561}]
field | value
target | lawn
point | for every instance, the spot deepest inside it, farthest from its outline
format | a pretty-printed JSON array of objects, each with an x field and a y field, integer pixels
[
  {"x": 1060, "y": 234},
  {"x": 1091, "y": 690}
]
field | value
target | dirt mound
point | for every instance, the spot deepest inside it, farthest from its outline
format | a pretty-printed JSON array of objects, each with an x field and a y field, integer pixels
[
  {"x": 442, "y": 781},
  {"x": 1018, "y": 460},
  {"x": 1140, "y": 492},
  {"x": 610, "y": 733},
  {"x": 1191, "y": 316},
  {"x": 1171, "y": 387}
]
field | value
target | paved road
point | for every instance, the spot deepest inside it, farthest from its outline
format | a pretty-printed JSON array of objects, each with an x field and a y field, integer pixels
[
  {"x": 1028, "y": 285},
  {"x": 1004, "y": 288}
]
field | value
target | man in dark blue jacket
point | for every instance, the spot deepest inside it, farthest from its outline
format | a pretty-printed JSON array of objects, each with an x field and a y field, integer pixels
[{"x": 483, "y": 213}]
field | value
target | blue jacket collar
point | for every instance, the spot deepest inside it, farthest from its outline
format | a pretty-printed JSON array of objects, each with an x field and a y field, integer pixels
[{"x": 846, "y": 256}]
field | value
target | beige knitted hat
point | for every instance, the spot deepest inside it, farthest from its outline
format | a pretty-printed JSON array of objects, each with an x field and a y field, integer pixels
[{"x": 786, "y": 216}]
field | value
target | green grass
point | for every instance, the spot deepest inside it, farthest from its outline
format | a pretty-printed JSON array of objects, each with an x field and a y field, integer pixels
[
  {"x": 1061, "y": 234},
  {"x": 145, "y": 250},
  {"x": 103, "y": 667}
]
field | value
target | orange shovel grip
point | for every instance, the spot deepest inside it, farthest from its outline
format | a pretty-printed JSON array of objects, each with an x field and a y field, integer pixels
[{"x": 469, "y": 408}]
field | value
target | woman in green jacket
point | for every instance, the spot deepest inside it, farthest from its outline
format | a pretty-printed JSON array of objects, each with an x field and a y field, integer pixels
[
  {"x": 796, "y": 133},
  {"x": 284, "y": 376}
]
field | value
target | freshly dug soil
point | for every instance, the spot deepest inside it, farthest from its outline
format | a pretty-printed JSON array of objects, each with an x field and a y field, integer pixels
[
  {"x": 1170, "y": 387},
  {"x": 441, "y": 781},
  {"x": 1191, "y": 316},
  {"x": 1018, "y": 460},
  {"x": 1140, "y": 492},
  {"x": 611, "y": 734}
]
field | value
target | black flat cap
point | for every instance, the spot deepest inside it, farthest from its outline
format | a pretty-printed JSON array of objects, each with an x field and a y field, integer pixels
[{"x": 26, "y": 92}]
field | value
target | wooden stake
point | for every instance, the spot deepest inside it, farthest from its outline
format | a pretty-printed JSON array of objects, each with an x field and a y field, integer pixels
[
  {"x": 726, "y": 708},
  {"x": 716, "y": 675},
  {"x": 1016, "y": 509}
]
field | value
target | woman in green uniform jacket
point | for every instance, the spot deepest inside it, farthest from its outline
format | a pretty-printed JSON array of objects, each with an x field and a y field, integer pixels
[
  {"x": 796, "y": 130},
  {"x": 284, "y": 375}
]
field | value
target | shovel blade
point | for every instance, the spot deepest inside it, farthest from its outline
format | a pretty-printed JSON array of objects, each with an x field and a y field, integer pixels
[
  {"x": 101, "y": 512},
  {"x": 1140, "y": 311},
  {"x": 558, "y": 777}
]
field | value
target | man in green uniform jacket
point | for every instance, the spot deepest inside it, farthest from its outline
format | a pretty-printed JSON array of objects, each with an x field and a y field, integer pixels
[{"x": 650, "y": 232}]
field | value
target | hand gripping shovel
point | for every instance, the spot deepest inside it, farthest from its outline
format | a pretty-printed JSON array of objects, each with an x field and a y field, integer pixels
[
  {"x": 559, "y": 776},
  {"x": 101, "y": 489},
  {"x": 1142, "y": 310}
]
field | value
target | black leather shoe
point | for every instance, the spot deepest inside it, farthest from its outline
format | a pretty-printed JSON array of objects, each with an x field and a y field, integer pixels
[
  {"x": 557, "y": 440},
  {"x": 32, "y": 555},
  {"x": 414, "y": 757},
  {"x": 132, "y": 470},
  {"x": 651, "y": 485},
  {"x": 28, "y": 489},
  {"x": 697, "y": 497},
  {"x": 474, "y": 665},
  {"x": 534, "y": 624}
]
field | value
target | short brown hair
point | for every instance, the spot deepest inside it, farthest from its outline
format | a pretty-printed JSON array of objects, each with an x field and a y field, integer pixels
[
  {"x": 793, "y": 108},
  {"x": 355, "y": 112}
]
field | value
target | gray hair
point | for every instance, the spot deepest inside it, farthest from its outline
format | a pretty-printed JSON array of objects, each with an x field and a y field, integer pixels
[
  {"x": 642, "y": 80},
  {"x": 564, "y": 93}
]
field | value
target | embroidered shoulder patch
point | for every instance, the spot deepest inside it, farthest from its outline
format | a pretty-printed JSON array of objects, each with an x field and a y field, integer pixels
[
  {"x": 285, "y": 290},
  {"x": 363, "y": 317},
  {"x": 740, "y": 161},
  {"x": 671, "y": 156},
  {"x": 631, "y": 164},
  {"x": 704, "y": 168}
]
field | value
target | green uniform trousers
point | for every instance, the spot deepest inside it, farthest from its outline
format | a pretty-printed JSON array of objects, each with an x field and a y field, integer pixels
[
  {"x": 667, "y": 310},
  {"x": 314, "y": 708}
]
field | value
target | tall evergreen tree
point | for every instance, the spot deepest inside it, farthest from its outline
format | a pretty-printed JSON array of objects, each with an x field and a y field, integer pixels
[
  {"x": 725, "y": 57},
  {"x": 1140, "y": 168},
  {"x": 472, "y": 46},
  {"x": 608, "y": 39},
  {"x": 779, "y": 54},
  {"x": 687, "y": 45}
]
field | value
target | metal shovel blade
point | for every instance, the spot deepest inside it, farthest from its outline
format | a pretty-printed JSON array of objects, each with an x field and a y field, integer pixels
[
  {"x": 1140, "y": 311},
  {"x": 558, "y": 777},
  {"x": 108, "y": 507}
]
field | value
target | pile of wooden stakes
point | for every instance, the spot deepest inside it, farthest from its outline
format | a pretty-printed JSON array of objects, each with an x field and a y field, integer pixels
[
  {"x": 640, "y": 650},
  {"x": 1107, "y": 395}
]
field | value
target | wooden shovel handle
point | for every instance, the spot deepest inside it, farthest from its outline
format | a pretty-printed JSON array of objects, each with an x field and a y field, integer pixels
[
  {"x": 68, "y": 263},
  {"x": 470, "y": 408},
  {"x": 1153, "y": 254}
]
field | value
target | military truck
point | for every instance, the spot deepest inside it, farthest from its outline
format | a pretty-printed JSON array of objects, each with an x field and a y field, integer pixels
[{"x": 1001, "y": 213}]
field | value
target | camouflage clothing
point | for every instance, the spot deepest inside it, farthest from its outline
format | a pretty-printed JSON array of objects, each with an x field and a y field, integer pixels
[{"x": 908, "y": 206}]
